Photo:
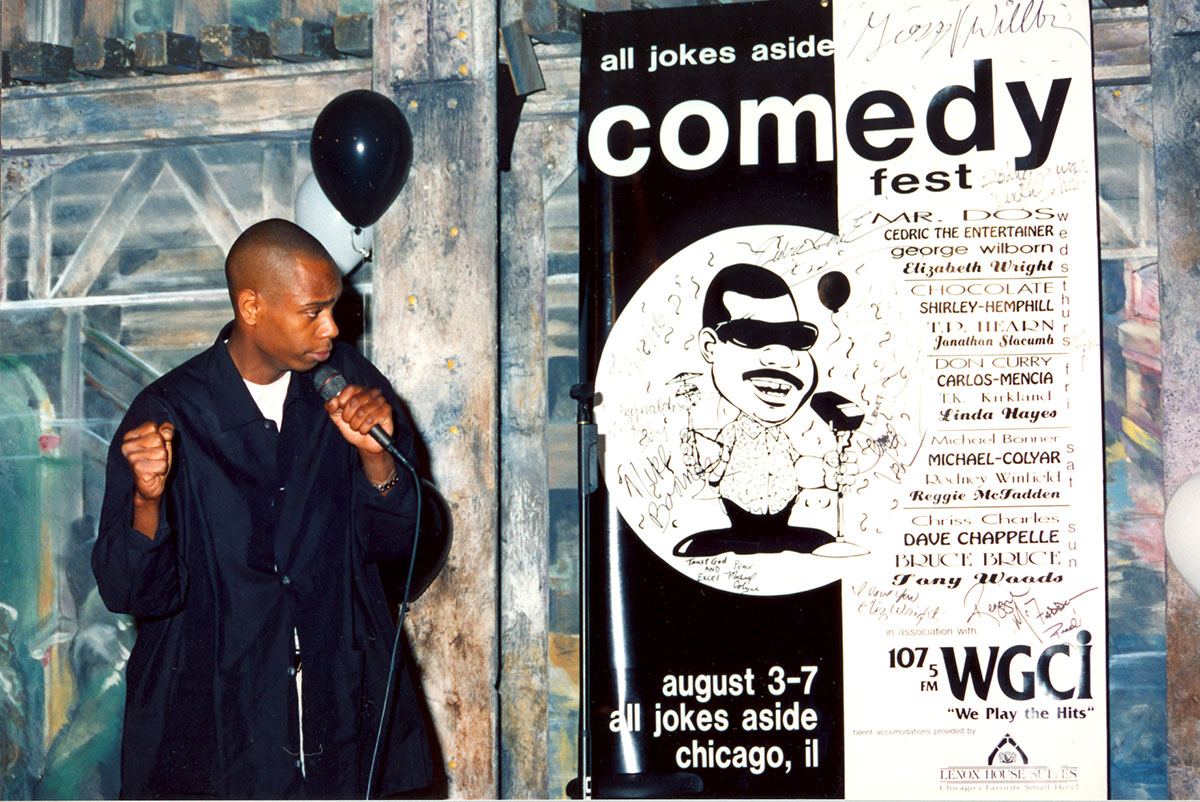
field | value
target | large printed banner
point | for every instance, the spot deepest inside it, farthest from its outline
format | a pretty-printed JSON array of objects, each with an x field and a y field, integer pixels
[{"x": 841, "y": 301}]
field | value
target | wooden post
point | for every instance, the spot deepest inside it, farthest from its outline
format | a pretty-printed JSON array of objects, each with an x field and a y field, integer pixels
[
  {"x": 524, "y": 506},
  {"x": 435, "y": 314}
]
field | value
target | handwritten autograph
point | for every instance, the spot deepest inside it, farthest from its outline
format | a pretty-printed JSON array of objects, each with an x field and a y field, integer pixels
[
  {"x": 973, "y": 21},
  {"x": 658, "y": 484},
  {"x": 1023, "y": 611},
  {"x": 884, "y": 604},
  {"x": 886, "y": 449}
]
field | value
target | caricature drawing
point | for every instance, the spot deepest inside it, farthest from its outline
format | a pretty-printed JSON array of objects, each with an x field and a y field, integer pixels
[{"x": 758, "y": 350}]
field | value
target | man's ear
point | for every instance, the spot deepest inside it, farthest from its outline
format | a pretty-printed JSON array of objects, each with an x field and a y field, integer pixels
[
  {"x": 249, "y": 306},
  {"x": 708, "y": 339}
]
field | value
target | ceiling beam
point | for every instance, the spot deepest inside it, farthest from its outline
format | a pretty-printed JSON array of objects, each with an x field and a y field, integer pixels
[{"x": 279, "y": 99}]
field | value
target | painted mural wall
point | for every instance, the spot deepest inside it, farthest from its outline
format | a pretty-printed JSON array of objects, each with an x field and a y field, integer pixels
[{"x": 69, "y": 367}]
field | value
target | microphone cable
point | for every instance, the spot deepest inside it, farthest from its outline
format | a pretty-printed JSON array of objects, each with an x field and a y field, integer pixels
[
  {"x": 385, "y": 711},
  {"x": 328, "y": 382}
]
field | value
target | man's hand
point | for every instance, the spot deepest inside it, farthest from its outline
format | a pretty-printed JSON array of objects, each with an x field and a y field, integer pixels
[
  {"x": 355, "y": 410},
  {"x": 841, "y": 468},
  {"x": 149, "y": 451},
  {"x": 691, "y": 454},
  {"x": 702, "y": 455}
]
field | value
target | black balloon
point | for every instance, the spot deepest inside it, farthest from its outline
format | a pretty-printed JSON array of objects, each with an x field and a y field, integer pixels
[
  {"x": 833, "y": 289},
  {"x": 361, "y": 150}
]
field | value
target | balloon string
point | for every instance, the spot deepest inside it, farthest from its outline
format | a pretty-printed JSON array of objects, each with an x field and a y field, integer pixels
[{"x": 365, "y": 253}]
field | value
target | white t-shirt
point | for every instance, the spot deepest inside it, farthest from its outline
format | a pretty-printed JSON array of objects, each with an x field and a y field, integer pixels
[{"x": 269, "y": 397}]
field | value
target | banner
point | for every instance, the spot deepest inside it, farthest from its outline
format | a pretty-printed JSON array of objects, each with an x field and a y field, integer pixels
[{"x": 841, "y": 311}]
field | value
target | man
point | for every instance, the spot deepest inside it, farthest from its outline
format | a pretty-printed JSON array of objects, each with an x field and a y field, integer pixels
[
  {"x": 242, "y": 524},
  {"x": 758, "y": 349}
]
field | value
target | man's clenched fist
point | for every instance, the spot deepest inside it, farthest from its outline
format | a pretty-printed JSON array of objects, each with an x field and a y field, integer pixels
[{"x": 148, "y": 451}]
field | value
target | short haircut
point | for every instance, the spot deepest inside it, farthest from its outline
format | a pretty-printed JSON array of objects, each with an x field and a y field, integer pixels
[
  {"x": 744, "y": 279},
  {"x": 264, "y": 255}
]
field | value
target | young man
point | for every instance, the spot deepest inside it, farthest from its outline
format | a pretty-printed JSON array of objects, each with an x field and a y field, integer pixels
[
  {"x": 242, "y": 524},
  {"x": 758, "y": 350}
]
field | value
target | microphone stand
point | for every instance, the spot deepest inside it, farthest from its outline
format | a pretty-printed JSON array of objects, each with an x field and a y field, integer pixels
[
  {"x": 588, "y": 480},
  {"x": 640, "y": 784},
  {"x": 844, "y": 417}
]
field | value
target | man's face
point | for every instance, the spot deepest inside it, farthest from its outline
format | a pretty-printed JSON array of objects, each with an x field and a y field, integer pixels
[
  {"x": 295, "y": 329},
  {"x": 760, "y": 359}
]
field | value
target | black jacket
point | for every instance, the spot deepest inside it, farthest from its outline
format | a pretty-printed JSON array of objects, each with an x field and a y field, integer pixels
[{"x": 263, "y": 532}]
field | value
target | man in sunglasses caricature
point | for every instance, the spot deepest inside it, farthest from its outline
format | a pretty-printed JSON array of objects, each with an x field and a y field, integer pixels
[{"x": 758, "y": 349}]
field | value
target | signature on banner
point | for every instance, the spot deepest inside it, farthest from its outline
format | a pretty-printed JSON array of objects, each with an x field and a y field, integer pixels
[{"x": 1041, "y": 615}]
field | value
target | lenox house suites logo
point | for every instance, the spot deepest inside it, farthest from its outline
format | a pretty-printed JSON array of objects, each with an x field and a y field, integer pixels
[{"x": 1008, "y": 768}]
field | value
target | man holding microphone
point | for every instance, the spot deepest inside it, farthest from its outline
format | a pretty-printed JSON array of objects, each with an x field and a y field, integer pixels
[{"x": 243, "y": 524}]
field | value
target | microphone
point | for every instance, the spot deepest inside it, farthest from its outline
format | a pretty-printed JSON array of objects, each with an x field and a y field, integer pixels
[
  {"x": 329, "y": 383},
  {"x": 842, "y": 414}
]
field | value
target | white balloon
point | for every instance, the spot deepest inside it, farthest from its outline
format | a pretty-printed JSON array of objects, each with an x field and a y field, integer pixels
[
  {"x": 316, "y": 215},
  {"x": 1181, "y": 528}
]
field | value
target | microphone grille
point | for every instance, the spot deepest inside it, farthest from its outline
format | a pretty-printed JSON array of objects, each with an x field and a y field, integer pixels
[{"x": 328, "y": 382}]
